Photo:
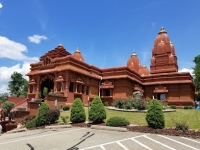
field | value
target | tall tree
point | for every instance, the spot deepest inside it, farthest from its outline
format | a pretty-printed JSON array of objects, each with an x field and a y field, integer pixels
[
  {"x": 18, "y": 85},
  {"x": 197, "y": 75}
]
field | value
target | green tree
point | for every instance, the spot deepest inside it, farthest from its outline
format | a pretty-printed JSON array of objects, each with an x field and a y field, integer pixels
[
  {"x": 3, "y": 97},
  {"x": 8, "y": 106},
  {"x": 97, "y": 111},
  {"x": 197, "y": 75},
  {"x": 154, "y": 116},
  {"x": 18, "y": 85},
  {"x": 77, "y": 114}
]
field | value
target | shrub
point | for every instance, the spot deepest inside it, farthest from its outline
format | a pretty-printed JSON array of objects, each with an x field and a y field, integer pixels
[
  {"x": 41, "y": 116},
  {"x": 173, "y": 107},
  {"x": 120, "y": 103},
  {"x": 8, "y": 106},
  {"x": 181, "y": 126},
  {"x": 154, "y": 115},
  {"x": 27, "y": 118},
  {"x": 65, "y": 108},
  {"x": 64, "y": 119},
  {"x": 31, "y": 123},
  {"x": 117, "y": 122},
  {"x": 187, "y": 107},
  {"x": 97, "y": 112},
  {"x": 140, "y": 104},
  {"x": 127, "y": 105},
  {"x": 52, "y": 115},
  {"x": 77, "y": 114}
]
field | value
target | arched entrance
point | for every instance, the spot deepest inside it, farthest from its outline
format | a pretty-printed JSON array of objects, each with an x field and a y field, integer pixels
[{"x": 48, "y": 83}]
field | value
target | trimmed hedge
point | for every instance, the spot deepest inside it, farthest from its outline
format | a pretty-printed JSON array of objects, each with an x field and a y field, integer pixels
[
  {"x": 65, "y": 108},
  {"x": 41, "y": 116},
  {"x": 77, "y": 114},
  {"x": 52, "y": 115},
  {"x": 97, "y": 112},
  {"x": 154, "y": 116},
  {"x": 117, "y": 122}
]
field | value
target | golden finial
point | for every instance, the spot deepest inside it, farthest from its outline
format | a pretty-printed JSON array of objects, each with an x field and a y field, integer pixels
[
  {"x": 60, "y": 44},
  {"x": 162, "y": 30},
  {"x": 133, "y": 54},
  {"x": 77, "y": 50}
]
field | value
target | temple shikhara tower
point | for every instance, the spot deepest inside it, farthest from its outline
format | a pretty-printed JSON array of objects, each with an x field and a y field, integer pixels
[{"x": 67, "y": 76}]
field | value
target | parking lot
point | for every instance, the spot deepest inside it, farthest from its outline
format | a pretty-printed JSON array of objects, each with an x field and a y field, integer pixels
[{"x": 90, "y": 139}]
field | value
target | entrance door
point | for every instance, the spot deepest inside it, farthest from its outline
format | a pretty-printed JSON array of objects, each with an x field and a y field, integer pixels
[{"x": 49, "y": 84}]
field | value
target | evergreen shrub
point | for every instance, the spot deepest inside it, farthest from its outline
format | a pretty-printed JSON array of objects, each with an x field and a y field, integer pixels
[
  {"x": 77, "y": 114},
  {"x": 52, "y": 115},
  {"x": 31, "y": 123},
  {"x": 154, "y": 116},
  {"x": 41, "y": 116},
  {"x": 117, "y": 122},
  {"x": 173, "y": 107},
  {"x": 97, "y": 112},
  {"x": 65, "y": 108}
]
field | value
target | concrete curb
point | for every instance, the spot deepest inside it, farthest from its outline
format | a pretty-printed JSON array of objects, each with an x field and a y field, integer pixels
[
  {"x": 120, "y": 129},
  {"x": 58, "y": 126},
  {"x": 17, "y": 130}
]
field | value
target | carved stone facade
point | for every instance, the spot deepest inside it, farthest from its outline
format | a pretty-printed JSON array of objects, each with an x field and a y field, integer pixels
[{"x": 68, "y": 76}]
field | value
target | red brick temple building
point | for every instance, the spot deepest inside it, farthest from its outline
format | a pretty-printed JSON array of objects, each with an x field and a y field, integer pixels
[{"x": 67, "y": 77}]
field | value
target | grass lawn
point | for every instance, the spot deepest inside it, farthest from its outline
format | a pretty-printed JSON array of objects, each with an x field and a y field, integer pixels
[{"x": 190, "y": 116}]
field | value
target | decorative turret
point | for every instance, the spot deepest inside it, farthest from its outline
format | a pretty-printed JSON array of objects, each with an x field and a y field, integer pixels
[
  {"x": 133, "y": 62},
  {"x": 77, "y": 54},
  {"x": 163, "y": 55},
  {"x": 143, "y": 70}
]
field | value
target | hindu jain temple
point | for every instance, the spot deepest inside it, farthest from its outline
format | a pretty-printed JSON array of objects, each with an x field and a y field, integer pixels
[{"x": 67, "y": 76}]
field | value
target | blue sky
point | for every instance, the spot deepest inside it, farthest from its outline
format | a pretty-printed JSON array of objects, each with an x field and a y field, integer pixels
[{"x": 106, "y": 31}]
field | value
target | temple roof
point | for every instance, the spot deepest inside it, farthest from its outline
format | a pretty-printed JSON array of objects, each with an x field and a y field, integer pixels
[
  {"x": 133, "y": 62},
  {"x": 77, "y": 54},
  {"x": 58, "y": 52}
]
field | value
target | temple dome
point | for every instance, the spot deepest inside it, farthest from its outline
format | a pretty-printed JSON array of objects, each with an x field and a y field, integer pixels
[
  {"x": 172, "y": 48},
  {"x": 77, "y": 54},
  {"x": 144, "y": 71},
  {"x": 133, "y": 62},
  {"x": 162, "y": 36}
]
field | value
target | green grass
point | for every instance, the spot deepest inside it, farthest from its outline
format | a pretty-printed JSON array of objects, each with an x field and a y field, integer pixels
[{"x": 190, "y": 116}]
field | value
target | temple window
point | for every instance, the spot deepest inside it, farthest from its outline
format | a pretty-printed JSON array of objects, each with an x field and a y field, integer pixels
[
  {"x": 59, "y": 88},
  {"x": 71, "y": 87},
  {"x": 78, "y": 88},
  {"x": 83, "y": 89},
  {"x": 161, "y": 96},
  {"x": 107, "y": 92}
]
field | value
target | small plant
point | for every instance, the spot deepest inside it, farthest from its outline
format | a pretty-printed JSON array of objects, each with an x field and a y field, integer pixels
[
  {"x": 45, "y": 91},
  {"x": 65, "y": 108},
  {"x": 181, "y": 126},
  {"x": 120, "y": 103},
  {"x": 154, "y": 116},
  {"x": 117, "y": 122},
  {"x": 97, "y": 111},
  {"x": 187, "y": 107},
  {"x": 39, "y": 95},
  {"x": 106, "y": 103},
  {"x": 52, "y": 115},
  {"x": 64, "y": 119},
  {"x": 27, "y": 118},
  {"x": 77, "y": 114},
  {"x": 173, "y": 107},
  {"x": 31, "y": 123}
]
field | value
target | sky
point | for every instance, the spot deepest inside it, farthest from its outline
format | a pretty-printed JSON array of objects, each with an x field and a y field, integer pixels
[{"x": 105, "y": 31}]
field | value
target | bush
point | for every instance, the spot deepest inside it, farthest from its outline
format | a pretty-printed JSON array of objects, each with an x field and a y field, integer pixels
[
  {"x": 65, "y": 108},
  {"x": 64, "y": 119},
  {"x": 120, "y": 103},
  {"x": 140, "y": 104},
  {"x": 41, "y": 116},
  {"x": 31, "y": 123},
  {"x": 97, "y": 112},
  {"x": 173, "y": 107},
  {"x": 181, "y": 126},
  {"x": 117, "y": 122},
  {"x": 187, "y": 107},
  {"x": 77, "y": 114},
  {"x": 154, "y": 115},
  {"x": 52, "y": 115},
  {"x": 27, "y": 118}
]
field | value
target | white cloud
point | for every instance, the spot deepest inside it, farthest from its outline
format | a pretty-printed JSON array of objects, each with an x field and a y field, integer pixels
[
  {"x": 13, "y": 50},
  {"x": 187, "y": 70},
  {"x": 37, "y": 38},
  {"x": 6, "y": 72},
  {"x": 1, "y": 5}
]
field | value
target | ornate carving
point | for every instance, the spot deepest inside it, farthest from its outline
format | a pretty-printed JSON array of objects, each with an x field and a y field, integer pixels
[
  {"x": 48, "y": 76},
  {"x": 59, "y": 79},
  {"x": 160, "y": 89},
  {"x": 32, "y": 82},
  {"x": 137, "y": 87},
  {"x": 107, "y": 84}
]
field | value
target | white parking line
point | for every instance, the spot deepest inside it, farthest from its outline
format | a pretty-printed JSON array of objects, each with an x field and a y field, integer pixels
[
  {"x": 102, "y": 147},
  {"x": 110, "y": 142},
  {"x": 190, "y": 139},
  {"x": 120, "y": 144},
  {"x": 141, "y": 144},
  {"x": 178, "y": 142},
  {"x": 158, "y": 142},
  {"x": 40, "y": 136}
]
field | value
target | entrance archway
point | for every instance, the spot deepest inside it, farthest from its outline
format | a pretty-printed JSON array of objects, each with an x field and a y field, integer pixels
[{"x": 49, "y": 84}]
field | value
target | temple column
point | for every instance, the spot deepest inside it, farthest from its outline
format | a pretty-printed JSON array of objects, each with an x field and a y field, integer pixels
[
  {"x": 38, "y": 86},
  {"x": 66, "y": 92}
]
